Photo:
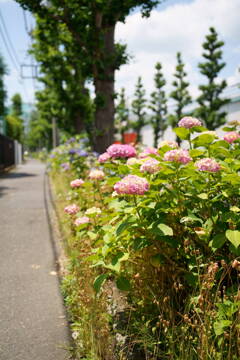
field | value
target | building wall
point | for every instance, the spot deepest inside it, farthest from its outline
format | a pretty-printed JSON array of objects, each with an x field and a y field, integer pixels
[{"x": 232, "y": 109}]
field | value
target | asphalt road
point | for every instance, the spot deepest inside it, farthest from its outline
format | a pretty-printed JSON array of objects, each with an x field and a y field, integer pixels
[{"x": 33, "y": 324}]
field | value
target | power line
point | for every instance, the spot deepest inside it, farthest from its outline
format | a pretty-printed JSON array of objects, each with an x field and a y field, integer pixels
[
  {"x": 8, "y": 50},
  {"x": 25, "y": 22},
  {"x": 16, "y": 66},
  {"x": 11, "y": 52},
  {"x": 9, "y": 39}
]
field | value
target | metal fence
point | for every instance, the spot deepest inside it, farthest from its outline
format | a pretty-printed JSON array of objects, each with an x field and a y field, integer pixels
[{"x": 10, "y": 152}]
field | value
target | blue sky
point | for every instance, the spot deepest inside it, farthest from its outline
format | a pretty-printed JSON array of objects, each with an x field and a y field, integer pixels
[{"x": 176, "y": 25}]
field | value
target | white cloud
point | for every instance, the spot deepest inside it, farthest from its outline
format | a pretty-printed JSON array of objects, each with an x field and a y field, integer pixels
[{"x": 180, "y": 27}]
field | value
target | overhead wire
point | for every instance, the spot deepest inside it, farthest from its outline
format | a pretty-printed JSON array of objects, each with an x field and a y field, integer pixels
[
  {"x": 8, "y": 49},
  {"x": 25, "y": 21},
  {"x": 9, "y": 39},
  {"x": 11, "y": 52}
]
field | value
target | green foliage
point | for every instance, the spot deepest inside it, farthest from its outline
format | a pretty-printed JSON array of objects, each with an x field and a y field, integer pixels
[
  {"x": 138, "y": 109},
  {"x": 158, "y": 105},
  {"x": 180, "y": 94},
  {"x": 3, "y": 94},
  {"x": 172, "y": 252},
  {"x": 64, "y": 96},
  {"x": 39, "y": 132},
  {"x": 90, "y": 26},
  {"x": 14, "y": 121},
  {"x": 210, "y": 100}
]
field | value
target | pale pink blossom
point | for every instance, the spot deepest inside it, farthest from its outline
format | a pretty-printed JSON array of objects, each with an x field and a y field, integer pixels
[
  {"x": 132, "y": 161},
  {"x": 93, "y": 211},
  {"x": 189, "y": 122},
  {"x": 207, "y": 164},
  {"x": 82, "y": 220},
  {"x": 104, "y": 157},
  {"x": 231, "y": 136},
  {"x": 151, "y": 166},
  {"x": 132, "y": 184},
  {"x": 71, "y": 209},
  {"x": 76, "y": 183},
  {"x": 178, "y": 155},
  {"x": 172, "y": 144},
  {"x": 146, "y": 152},
  {"x": 236, "y": 264},
  {"x": 121, "y": 151},
  {"x": 96, "y": 174}
]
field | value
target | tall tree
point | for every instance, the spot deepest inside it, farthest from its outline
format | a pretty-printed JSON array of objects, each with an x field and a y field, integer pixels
[
  {"x": 122, "y": 115},
  {"x": 210, "y": 101},
  {"x": 62, "y": 73},
  {"x": 158, "y": 105},
  {"x": 39, "y": 132},
  {"x": 138, "y": 109},
  {"x": 180, "y": 94},
  {"x": 14, "y": 121},
  {"x": 92, "y": 27}
]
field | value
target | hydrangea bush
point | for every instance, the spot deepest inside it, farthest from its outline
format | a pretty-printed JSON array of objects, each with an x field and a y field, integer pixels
[{"x": 168, "y": 234}]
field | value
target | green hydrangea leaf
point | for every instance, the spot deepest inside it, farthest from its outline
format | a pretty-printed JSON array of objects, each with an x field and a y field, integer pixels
[
  {"x": 123, "y": 284},
  {"x": 234, "y": 237},
  {"x": 99, "y": 281}
]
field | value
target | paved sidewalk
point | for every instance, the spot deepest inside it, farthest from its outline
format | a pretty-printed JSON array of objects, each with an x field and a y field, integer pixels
[{"x": 32, "y": 317}]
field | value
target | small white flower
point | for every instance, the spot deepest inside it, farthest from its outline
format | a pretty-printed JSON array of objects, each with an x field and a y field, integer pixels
[
  {"x": 114, "y": 194},
  {"x": 75, "y": 335}
]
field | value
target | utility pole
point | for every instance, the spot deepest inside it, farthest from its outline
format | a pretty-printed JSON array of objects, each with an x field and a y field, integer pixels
[{"x": 54, "y": 133}]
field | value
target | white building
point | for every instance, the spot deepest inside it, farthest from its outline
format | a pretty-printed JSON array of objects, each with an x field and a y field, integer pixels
[{"x": 232, "y": 109}]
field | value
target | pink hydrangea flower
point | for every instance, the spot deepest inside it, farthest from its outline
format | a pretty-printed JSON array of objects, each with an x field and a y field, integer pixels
[
  {"x": 71, "y": 209},
  {"x": 132, "y": 184},
  {"x": 76, "y": 183},
  {"x": 231, "y": 136},
  {"x": 146, "y": 152},
  {"x": 178, "y": 155},
  {"x": 104, "y": 157},
  {"x": 151, "y": 166},
  {"x": 188, "y": 122},
  {"x": 207, "y": 164},
  {"x": 121, "y": 151},
  {"x": 96, "y": 174},
  {"x": 172, "y": 144},
  {"x": 82, "y": 220}
]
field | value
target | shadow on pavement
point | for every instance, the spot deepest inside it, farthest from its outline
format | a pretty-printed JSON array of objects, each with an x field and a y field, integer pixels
[
  {"x": 3, "y": 190},
  {"x": 16, "y": 175}
]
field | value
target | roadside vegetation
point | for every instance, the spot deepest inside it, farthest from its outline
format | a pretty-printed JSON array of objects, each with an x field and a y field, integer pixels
[{"x": 153, "y": 244}]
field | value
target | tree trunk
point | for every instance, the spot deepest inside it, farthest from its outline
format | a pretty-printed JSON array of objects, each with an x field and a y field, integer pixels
[
  {"x": 78, "y": 123},
  {"x": 104, "y": 91}
]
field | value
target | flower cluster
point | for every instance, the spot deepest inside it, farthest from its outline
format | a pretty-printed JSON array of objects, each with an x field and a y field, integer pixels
[
  {"x": 178, "y": 155},
  {"x": 172, "y": 144},
  {"x": 121, "y": 151},
  {"x": 71, "y": 209},
  {"x": 104, "y": 157},
  {"x": 132, "y": 184},
  {"x": 93, "y": 211},
  {"x": 207, "y": 164},
  {"x": 96, "y": 174},
  {"x": 188, "y": 122},
  {"x": 76, "y": 183},
  {"x": 151, "y": 166},
  {"x": 132, "y": 161},
  {"x": 82, "y": 220},
  {"x": 231, "y": 136},
  {"x": 146, "y": 152},
  {"x": 65, "y": 166}
]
